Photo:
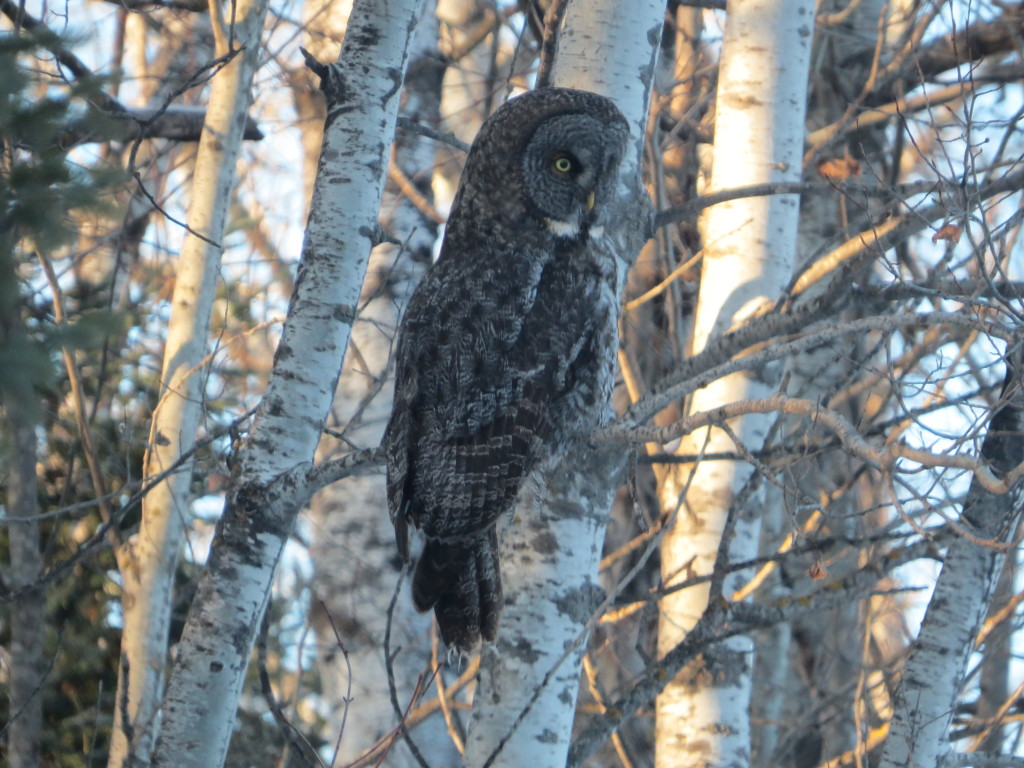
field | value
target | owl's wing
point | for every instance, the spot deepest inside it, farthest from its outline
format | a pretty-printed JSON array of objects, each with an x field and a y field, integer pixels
[{"x": 477, "y": 371}]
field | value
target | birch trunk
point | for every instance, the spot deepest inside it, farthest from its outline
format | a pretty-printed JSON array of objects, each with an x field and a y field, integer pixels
[
  {"x": 150, "y": 560},
  {"x": 702, "y": 716},
  {"x": 817, "y": 658},
  {"x": 362, "y": 92},
  {"x": 529, "y": 679},
  {"x": 926, "y": 699},
  {"x": 353, "y": 540},
  {"x": 997, "y": 666}
]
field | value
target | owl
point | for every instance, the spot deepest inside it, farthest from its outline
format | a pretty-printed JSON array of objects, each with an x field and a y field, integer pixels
[{"x": 506, "y": 352}]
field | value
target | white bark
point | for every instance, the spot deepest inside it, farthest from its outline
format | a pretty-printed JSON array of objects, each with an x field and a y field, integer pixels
[
  {"x": 930, "y": 684},
  {"x": 749, "y": 250},
  {"x": 825, "y": 647},
  {"x": 354, "y": 547},
  {"x": 148, "y": 565},
  {"x": 772, "y": 672},
  {"x": 362, "y": 94},
  {"x": 529, "y": 679}
]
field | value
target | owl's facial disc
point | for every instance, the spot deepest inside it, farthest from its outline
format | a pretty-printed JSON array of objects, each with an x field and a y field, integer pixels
[{"x": 569, "y": 162}]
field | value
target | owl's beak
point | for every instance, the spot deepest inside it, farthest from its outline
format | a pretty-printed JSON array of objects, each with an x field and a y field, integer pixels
[{"x": 590, "y": 200}]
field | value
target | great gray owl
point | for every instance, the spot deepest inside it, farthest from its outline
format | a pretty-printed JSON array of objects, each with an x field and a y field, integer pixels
[{"x": 506, "y": 352}]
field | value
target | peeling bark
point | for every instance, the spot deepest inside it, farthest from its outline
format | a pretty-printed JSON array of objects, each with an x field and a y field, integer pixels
[{"x": 353, "y": 540}]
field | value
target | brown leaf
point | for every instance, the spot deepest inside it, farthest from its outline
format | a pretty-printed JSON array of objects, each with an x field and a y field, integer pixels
[
  {"x": 949, "y": 232},
  {"x": 817, "y": 571},
  {"x": 838, "y": 168}
]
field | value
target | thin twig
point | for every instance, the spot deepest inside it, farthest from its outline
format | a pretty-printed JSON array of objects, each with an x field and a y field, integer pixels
[
  {"x": 884, "y": 457},
  {"x": 54, "y": 44},
  {"x": 392, "y": 687},
  {"x": 348, "y": 692},
  {"x": 720, "y": 622},
  {"x": 78, "y": 398},
  {"x": 549, "y": 41},
  {"x": 86, "y": 547},
  {"x": 405, "y": 124},
  {"x": 695, "y": 374},
  {"x": 37, "y": 691},
  {"x": 295, "y": 738},
  {"x": 442, "y": 697},
  {"x": 407, "y": 188}
]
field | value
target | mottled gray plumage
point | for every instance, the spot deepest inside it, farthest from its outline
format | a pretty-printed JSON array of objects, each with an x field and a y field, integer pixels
[{"x": 506, "y": 353}]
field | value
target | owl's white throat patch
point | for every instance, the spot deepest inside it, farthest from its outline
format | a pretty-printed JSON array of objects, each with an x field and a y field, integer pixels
[{"x": 563, "y": 228}]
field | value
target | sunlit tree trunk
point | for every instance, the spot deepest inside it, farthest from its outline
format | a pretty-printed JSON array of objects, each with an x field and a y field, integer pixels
[
  {"x": 749, "y": 251},
  {"x": 267, "y": 488},
  {"x": 148, "y": 564},
  {"x": 159, "y": 72},
  {"x": 814, "y": 663},
  {"x": 525, "y": 701}
]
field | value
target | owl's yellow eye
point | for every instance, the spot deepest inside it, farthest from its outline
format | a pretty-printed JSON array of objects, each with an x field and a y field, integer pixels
[{"x": 563, "y": 164}]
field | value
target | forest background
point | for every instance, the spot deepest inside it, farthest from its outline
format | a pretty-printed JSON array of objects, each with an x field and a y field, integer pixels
[{"x": 796, "y": 545}]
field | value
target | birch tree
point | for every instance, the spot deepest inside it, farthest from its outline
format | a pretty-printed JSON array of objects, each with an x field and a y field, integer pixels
[
  {"x": 871, "y": 370},
  {"x": 523, "y": 710},
  {"x": 353, "y": 540},
  {"x": 934, "y": 672},
  {"x": 149, "y": 563},
  {"x": 270, "y": 485},
  {"x": 820, "y": 654},
  {"x": 749, "y": 252}
]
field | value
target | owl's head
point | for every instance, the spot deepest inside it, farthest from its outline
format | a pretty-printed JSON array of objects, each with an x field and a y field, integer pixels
[{"x": 554, "y": 152}]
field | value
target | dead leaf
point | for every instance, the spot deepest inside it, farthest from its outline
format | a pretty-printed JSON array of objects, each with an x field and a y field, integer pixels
[
  {"x": 949, "y": 232},
  {"x": 838, "y": 168},
  {"x": 817, "y": 571}
]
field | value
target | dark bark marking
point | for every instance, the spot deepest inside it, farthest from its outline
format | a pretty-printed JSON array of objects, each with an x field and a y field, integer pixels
[
  {"x": 579, "y": 604},
  {"x": 525, "y": 651},
  {"x": 547, "y": 736},
  {"x": 545, "y": 543}
]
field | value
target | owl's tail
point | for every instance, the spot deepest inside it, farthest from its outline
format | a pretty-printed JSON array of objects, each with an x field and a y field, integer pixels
[{"x": 460, "y": 579}]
